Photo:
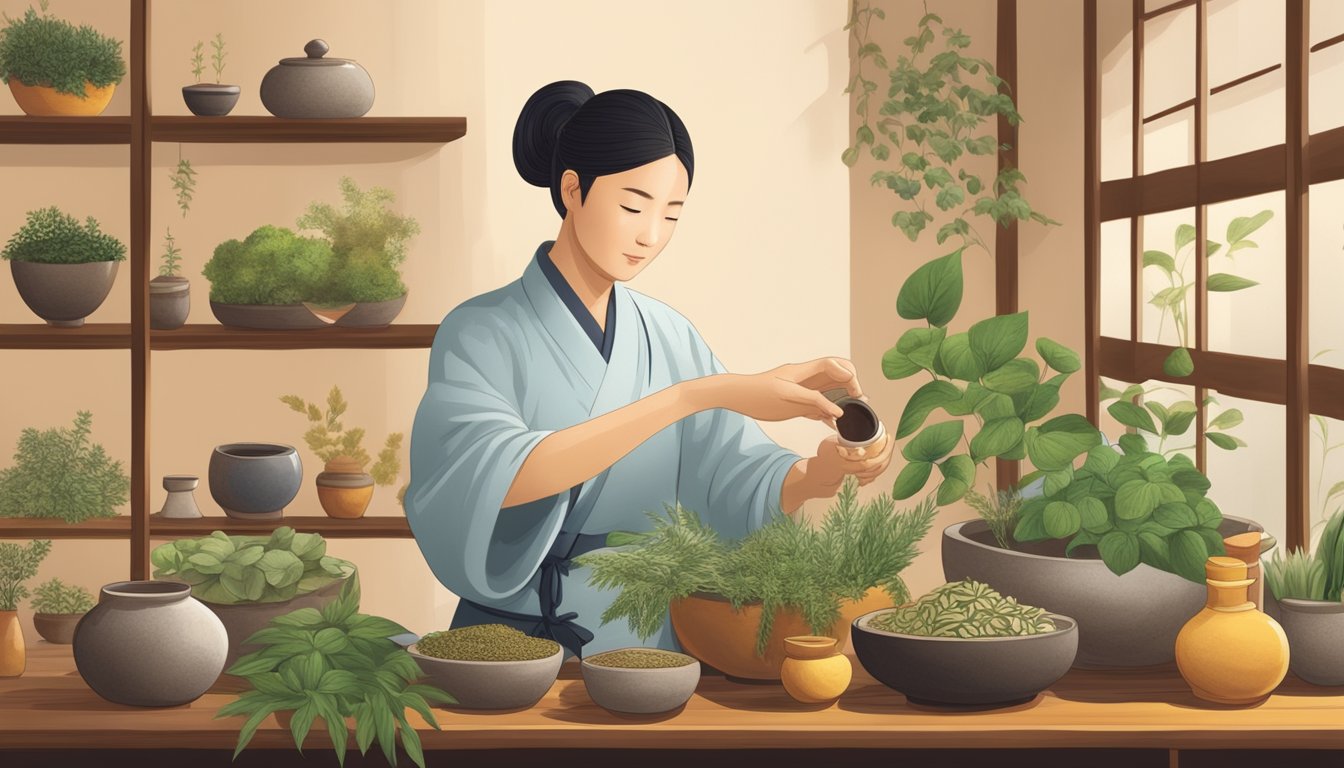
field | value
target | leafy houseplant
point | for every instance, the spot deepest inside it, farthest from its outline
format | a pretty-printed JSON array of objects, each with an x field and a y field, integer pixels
[
  {"x": 210, "y": 99},
  {"x": 368, "y": 242},
  {"x": 170, "y": 292},
  {"x": 229, "y": 570},
  {"x": 52, "y": 237},
  {"x": 273, "y": 266},
  {"x": 17, "y": 565},
  {"x": 57, "y": 609},
  {"x": 344, "y": 488},
  {"x": 63, "y": 270},
  {"x": 332, "y": 664},
  {"x": 1311, "y": 577},
  {"x": 59, "y": 474},
  {"x": 56, "y": 68},
  {"x": 1171, "y": 420}
]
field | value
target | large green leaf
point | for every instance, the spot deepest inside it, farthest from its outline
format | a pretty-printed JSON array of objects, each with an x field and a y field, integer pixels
[
  {"x": 1185, "y": 235},
  {"x": 1031, "y": 522},
  {"x": 933, "y": 292},
  {"x": 1057, "y": 480},
  {"x": 1225, "y": 441},
  {"x": 935, "y": 442},
  {"x": 1012, "y": 377},
  {"x": 996, "y": 437},
  {"x": 998, "y": 339},
  {"x": 1227, "y": 419},
  {"x": 1178, "y": 363},
  {"x": 1058, "y": 356},
  {"x": 995, "y": 406},
  {"x": 1101, "y": 459},
  {"x": 895, "y": 365},
  {"x": 1225, "y": 282},
  {"x": 1039, "y": 401},
  {"x": 958, "y": 477},
  {"x": 1160, "y": 260},
  {"x": 1061, "y": 519},
  {"x": 1119, "y": 551},
  {"x": 1056, "y": 443},
  {"x": 1092, "y": 512},
  {"x": 1188, "y": 553},
  {"x": 1178, "y": 422},
  {"x": 911, "y": 479},
  {"x": 1131, "y": 415},
  {"x": 1242, "y": 226},
  {"x": 281, "y": 568},
  {"x": 958, "y": 360},
  {"x": 1137, "y": 499},
  {"x": 920, "y": 345},
  {"x": 969, "y": 401},
  {"x": 935, "y": 394}
]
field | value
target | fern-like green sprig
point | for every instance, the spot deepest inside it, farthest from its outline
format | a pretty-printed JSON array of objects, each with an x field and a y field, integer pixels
[{"x": 329, "y": 439}]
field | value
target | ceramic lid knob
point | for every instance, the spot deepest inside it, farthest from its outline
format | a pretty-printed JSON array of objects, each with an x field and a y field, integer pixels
[{"x": 316, "y": 48}]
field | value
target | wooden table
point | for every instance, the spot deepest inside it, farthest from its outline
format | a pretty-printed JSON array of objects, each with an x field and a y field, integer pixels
[{"x": 51, "y": 708}]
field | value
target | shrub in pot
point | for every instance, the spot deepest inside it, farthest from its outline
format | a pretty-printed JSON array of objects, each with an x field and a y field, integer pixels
[
  {"x": 56, "y": 68},
  {"x": 210, "y": 99},
  {"x": 170, "y": 292},
  {"x": 57, "y": 609},
  {"x": 59, "y": 474},
  {"x": 63, "y": 270},
  {"x": 262, "y": 281},
  {"x": 344, "y": 488},
  {"x": 1307, "y": 591},
  {"x": 17, "y": 565}
]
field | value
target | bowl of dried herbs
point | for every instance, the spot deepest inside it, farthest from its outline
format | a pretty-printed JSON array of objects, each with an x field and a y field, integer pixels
[
  {"x": 640, "y": 681},
  {"x": 489, "y": 666},
  {"x": 964, "y": 644}
]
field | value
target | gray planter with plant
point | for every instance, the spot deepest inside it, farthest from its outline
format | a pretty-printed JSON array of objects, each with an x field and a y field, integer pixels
[
  {"x": 57, "y": 609},
  {"x": 1307, "y": 590},
  {"x": 262, "y": 281},
  {"x": 210, "y": 99},
  {"x": 63, "y": 270},
  {"x": 56, "y": 68},
  {"x": 60, "y": 474},
  {"x": 169, "y": 293}
]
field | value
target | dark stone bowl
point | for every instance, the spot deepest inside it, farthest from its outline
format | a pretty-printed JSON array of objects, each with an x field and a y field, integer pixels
[
  {"x": 971, "y": 672},
  {"x": 254, "y": 481},
  {"x": 210, "y": 99},
  {"x": 373, "y": 314},
  {"x": 63, "y": 294}
]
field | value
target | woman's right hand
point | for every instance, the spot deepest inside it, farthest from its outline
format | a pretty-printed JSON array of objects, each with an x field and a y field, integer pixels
[{"x": 786, "y": 392}]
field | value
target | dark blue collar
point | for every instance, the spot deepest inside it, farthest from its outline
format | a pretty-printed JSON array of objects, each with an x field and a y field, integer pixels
[{"x": 601, "y": 339}]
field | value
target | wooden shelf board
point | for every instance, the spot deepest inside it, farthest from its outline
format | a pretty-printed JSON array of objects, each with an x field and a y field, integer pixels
[
  {"x": 87, "y": 336},
  {"x": 367, "y": 527},
  {"x": 51, "y": 706},
  {"x": 258, "y": 129},
  {"x": 34, "y": 528},
  {"x": 206, "y": 336},
  {"x": 25, "y": 129}
]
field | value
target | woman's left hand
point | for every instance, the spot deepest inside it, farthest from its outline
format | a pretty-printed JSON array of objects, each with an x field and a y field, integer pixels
[{"x": 832, "y": 463}]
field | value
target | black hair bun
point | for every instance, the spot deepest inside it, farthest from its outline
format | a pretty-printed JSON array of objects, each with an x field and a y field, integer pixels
[{"x": 538, "y": 128}]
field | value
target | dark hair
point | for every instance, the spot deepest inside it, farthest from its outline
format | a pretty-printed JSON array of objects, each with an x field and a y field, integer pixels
[{"x": 564, "y": 126}]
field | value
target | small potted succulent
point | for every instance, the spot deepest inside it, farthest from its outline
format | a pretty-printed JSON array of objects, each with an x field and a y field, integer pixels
[
  {"x": 56, "y": 68},
  {"x": 344, "y": 488},
  {"x": 170, "y": 292},
  {"x": 210, "y": 99},
  {"x": 57, "y": 609},
  {"x": 17, "y": 565},
  {"x": 1308, "y": 600},
  {"x": 59, "y": 474},
  {"x": 262, "y": 281},
  {"x": 63, "y": 270}
]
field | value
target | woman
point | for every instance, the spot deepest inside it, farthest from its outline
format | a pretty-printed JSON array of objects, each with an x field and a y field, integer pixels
[{"x": 564, "y": 406}]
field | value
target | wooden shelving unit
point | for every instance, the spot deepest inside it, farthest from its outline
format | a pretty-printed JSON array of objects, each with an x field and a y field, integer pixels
[{"x": 139, "y": 131}]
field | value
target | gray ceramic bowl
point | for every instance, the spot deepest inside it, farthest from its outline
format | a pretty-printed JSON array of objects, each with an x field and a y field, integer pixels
[
  {"x": 1315, "y": 630},
  {"x": 1123, "y": 621},
  {"x": 267, "y": 317},
  {"x": 491, "y": 684},
  {"x": 640, "y": 691},
  {"x": 254, "y": 481},
  {"x": 974, "y": 672},
  {"x": 63, "y": 294}
]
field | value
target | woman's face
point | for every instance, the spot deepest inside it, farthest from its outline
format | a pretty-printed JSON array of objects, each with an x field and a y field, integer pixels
[{"x": 628, "y": 217}]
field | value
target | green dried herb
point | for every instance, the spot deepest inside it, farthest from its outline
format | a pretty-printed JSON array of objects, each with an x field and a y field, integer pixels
[
  {"x": 329, "y": 439},
  {"x": 17, "y": 565},
  {"x": 965, "y": 609},
  {"x": 60, "y": 474},
  {"x": 55, "y": 596},
  {"x": 641, "y": 658},
  {"x": 485, "y": 642},
  {"x": 46, "y": 50},
  {"x": 49, "y": 236}
]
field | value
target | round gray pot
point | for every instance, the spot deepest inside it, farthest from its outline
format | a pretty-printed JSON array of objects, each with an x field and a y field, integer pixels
[
  {"x": 63, "y": 294},
  {"x": 317, "y": 86},
  {"x": 1123, "y": 621},
  {"x": 242, "y": 620},
  {"x": 640, "y": 691},
  {"x": 169, "y": 302},
  {"x": 210, "y": 99},
  {"x": 149, "y": 644},
  {"x": 270, "y": 317},
  {"x": 491, "y": 684},
  {"x": 1315, "y": 630},
  {"x": 254, "y": 481},
  {"x": 373, "y": 314}
]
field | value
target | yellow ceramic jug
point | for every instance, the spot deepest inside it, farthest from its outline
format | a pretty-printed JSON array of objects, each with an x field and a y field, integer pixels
[
  {"x": 13, "y": 656},
  {"x": 1231, "y": 653},
  {"x": 813, "y": 671}
]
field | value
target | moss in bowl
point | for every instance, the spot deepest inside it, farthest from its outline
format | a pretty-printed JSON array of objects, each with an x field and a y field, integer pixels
[
  {"x": 55, "y": 68},
  {"x": 640, "y": 681},
  {"x": 489, "y": 666}
]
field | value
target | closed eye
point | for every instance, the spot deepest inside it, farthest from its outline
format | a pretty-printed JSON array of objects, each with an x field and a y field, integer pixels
[
  {"x": 631, "y": 210},
  {"x": 669, "y": 218}
]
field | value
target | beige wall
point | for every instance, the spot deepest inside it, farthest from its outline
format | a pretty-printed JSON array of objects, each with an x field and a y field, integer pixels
[{"x": 761, "y": 264}]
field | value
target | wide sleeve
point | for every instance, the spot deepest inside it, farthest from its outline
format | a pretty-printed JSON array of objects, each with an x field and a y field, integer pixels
[
  {"x": 468, "y": 442},
  {"x": 731, "y": 473}
]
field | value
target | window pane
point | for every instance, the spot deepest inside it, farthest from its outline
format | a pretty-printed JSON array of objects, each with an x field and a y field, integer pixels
[
  {"x": 1168, "y": 278},
  {"x": 1246, "y": 276},
  {"x": 1115, "y": 280},
  {"x": 1169, "y": 142},
  {"x": 1327, "y": 471},
  {"x": 1327, "y": 20},
  {"x": 1248, "y": 480},
  {"x": 1327, "y": 82},
  {"x": 1245, "y": 36},
  {"x": 1246, "y": 117},
  {"x": 1326, "y": 273},
  {"x": 1115, "y": 47},
  {"x": 1170, "y": 397},
  {"x": 1168, "y": 60}
]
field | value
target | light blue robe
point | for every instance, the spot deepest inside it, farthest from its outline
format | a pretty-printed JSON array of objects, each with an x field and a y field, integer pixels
[{"x": 512, "y": 366}]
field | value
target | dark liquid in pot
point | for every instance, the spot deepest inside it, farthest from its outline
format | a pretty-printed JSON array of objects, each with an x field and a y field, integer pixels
[{"x": 857, "y": 424}]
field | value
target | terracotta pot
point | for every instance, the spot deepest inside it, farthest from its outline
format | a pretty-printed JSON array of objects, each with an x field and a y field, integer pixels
[
  {"x": 63, "y": 294},
  {"x": 57, "y": 628},
  {"x": 344, "y": 488},
  {"x": 44, "y": 101},
  {"x": 709, "y": 629},
  {"x": 13, "y": 654},
  {"x": 169, "y": 302}
]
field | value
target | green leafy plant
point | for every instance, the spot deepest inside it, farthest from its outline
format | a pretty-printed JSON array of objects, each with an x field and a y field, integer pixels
[
  {"x": 272, "y": 266},
  {"x": 198, "y": 60},
  {"x": 55, "y": 596},
  {"x": 999, "y": 510},
  {"x": 171, "y": 256},
  {"x": 329, "y": 439},
  {"x": 368, "y": 242},
  {"x": 1311, "y": 577},
  {"x": 17, "y": 565},
  {"x": 227, "y": 570},
  {"x": 183, "y": 179},
  {"x": 330, "y": 665},
  {"x": 1321, "y": 432},
  {"x": 931, "y": 118},
  {"x": 217, "y": 57},
  {"x": 784, "y": 564},
  {"x": 47, "y": 51},
  {"x": 59, "y": 474},
  {"x": 1172, "y": 420},
  {"x": 52, "y": 237}
]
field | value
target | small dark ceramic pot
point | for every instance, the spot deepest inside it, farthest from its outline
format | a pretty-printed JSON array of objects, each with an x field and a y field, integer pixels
[
  {"x": 210, "y": 99},
  {"x": 254, "y": 481},
  {"x": 169, "y": 302}
]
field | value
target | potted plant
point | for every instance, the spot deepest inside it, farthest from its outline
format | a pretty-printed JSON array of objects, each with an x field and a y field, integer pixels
[
  {"x": 210, "y": 99},
  {"x": 248, "y": 580},
  {"x": 56, "y": 68},
  {"x": 732, "y": 604},
  {"x": 17, "y": 565},
  {"x": 63, "y": 270},
  {"x": 57, "y": 608},
  {"x": 344, "y": 488},
  {"x": 58, "y": 474},
  {"x": 368, "y": 243},
  {"x": 1306, "y": 593},
  {"x": 262, "y": 281},
  {"x": 319, "y": 667},
  {"x": 170, "y": 292}
]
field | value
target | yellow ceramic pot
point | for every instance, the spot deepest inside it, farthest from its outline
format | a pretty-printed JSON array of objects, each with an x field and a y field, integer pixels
[
  {"x": 1231, "y": 653},
  {"x": 344, "y": 489},
  {"x": 13, "y": 655},
  {"x": 814, "y": 671},
  {"x": 44, "y": 101}
]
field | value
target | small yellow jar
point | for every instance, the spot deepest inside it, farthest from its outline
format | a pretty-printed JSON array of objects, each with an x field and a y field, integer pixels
[{"x": 813, "y": 671}]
